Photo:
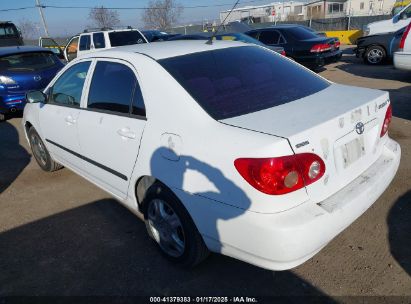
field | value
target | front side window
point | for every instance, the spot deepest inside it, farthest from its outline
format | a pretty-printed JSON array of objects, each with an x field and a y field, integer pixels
[
  {"x": 112, "y": 87},
  {"x": 84, "y": 43},
  {"x": 68, "y": 88},
  {"x": 72, "y": 49},
  {"x": 98, "y": 40},
  {"x": 240, "y": 80}
]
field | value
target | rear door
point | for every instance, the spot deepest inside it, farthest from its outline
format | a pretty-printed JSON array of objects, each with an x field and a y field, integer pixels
[{"x": 112, "y": 124}]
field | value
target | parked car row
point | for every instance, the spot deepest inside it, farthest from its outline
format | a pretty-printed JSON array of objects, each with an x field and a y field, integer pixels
[
  {"x": 220, "y": 146},
  {"x": 385, "y": 47}
]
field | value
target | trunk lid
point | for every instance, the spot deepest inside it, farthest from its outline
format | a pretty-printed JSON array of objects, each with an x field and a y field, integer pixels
[{"x": 341, "y": 124}]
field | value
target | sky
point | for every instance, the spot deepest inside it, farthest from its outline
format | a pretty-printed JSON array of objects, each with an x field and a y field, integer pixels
[{"x": 67, "y": 22}]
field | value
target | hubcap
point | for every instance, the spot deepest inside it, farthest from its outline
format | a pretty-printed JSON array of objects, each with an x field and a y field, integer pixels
[
  {"x": 166, "y": 228},
  {"x": 375, "y": 56},
  {"x": 39, "y": 150}
]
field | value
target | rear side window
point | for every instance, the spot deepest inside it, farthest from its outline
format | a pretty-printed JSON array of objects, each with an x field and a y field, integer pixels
[
  {"x": 270, "y": 37},
  {"x": 240, "y": 80},
  {"x": 112, "y": 87},
  {"x": 84, "y": 43},
  {"x": 125, "y": 38},
  {"x": 98, "y": 40},
  {"x": 253, "y": 34}
]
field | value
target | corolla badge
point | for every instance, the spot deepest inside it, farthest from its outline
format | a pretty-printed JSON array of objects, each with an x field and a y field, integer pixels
[
  {"x": 359, "y": 128},
  {"x": 37, "y": 78}
]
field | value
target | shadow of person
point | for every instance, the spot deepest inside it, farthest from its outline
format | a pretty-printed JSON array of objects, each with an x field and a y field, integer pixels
[
  {"x": 13, "y": 157},
  {"x": 399, "y": 226},
  {"x": 218, "y": 190}
]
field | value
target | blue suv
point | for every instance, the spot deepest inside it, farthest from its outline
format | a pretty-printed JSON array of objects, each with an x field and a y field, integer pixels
[{"x": 22, "y": 69}]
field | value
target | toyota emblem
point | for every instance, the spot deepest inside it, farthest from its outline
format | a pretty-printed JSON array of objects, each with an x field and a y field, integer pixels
[
  {"x": 37, "y": 78},
  {"x": 359, "y": 128}
]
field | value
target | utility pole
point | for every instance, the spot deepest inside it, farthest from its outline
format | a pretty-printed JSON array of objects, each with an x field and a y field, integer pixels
[{"x": 42, "y": 18}]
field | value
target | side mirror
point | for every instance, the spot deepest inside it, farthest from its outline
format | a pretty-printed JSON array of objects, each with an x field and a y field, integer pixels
[{"x": 36, "y": 97}]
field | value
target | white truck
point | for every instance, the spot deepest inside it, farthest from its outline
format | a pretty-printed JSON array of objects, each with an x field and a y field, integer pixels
[
  {"x": 398, "y": 21},
  {"x": 95, "y": 40}
]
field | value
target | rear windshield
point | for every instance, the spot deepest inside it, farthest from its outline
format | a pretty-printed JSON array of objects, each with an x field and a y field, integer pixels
[
  {"x": 301, "y": 33},
  {"x": 28, "y": 61},
  {"x": 125, "y": 38},
  {"x": 8, "y": 30},
  {"x": 240, "y": 80}
]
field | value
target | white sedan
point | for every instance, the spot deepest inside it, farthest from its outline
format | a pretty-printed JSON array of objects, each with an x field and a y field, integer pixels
[
  {"x": 222, "y": 147},
  {"x": 402, "y": 58}
]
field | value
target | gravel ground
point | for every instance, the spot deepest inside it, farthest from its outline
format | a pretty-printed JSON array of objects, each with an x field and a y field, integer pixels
[{"x": 60, "y": 235}]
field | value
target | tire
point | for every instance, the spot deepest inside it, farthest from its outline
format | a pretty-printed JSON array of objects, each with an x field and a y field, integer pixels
[
  {"x": 375, "y": 55},
  {"x": 40, "y": 152},
  {"x": 181, "y": 244}
]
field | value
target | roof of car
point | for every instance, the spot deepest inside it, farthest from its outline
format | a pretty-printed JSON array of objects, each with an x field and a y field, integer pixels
[
  {"x": 168, "y": 49},
  {"x": 9, "y": 50}
]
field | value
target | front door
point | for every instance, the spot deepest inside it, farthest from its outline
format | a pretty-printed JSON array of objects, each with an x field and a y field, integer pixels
[
  {"x": 111, "y": 127},
  {"x": 59, "y": 116}
]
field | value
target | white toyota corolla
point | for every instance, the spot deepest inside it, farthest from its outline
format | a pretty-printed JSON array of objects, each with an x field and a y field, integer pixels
[{"x": 222, "y": 147}]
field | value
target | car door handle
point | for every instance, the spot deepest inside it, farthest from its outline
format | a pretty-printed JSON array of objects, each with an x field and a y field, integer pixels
[
  {"x": 125, "y": 132},
  {"x": 70, "y": 120}
]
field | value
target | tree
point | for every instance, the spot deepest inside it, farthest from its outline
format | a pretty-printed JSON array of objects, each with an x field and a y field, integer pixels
[
  {"x": 103, "y": 18},
  {"x": 162, "y": 14},
  {"x": 28, "y": 29}
]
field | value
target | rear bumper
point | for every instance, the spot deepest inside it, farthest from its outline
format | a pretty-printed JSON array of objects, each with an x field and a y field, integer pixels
[
  {"x": 319, "y": 60},
  {"x": 402, "y": 60},
  {"x": 11, "y": 103},
  {"x": 285, "y": 240}
]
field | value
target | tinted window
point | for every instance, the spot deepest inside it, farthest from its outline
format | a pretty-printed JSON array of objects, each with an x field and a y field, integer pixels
[
  {"x": 269, "y": 37},
  {"x": 112, "y": 87},
  {"x": 138, "y": 102},
  {"x": 28, "y": 61},
  {"x": 84, "y": 42},
  {"x": 8, "y": 30},
  {"x": 301, "y": 33},
  {"x": 98, "y": 40},
  {"x": 253, "y": 34},
  {"x": 68, "y": 88},
  {"x": 125, "y": 38},
  {"x": 240, "y": 80}
]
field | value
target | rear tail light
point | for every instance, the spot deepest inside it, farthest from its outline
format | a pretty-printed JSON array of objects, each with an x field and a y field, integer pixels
[
  {"x": 337, "y": 44},
  {"x": 281, "y": 175},
  {"x": 283, "y": 53},
  {"x": 322, "y": 47},
  {"x": 387, "y": 121},
  {"x": 404, "y": 36}
]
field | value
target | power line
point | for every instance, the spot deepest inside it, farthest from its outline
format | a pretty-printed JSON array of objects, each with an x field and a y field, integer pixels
[{"x": 121, "y": 8}]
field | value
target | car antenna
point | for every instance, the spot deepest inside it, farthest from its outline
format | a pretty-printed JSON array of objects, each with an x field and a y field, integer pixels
[{"x": 210, "y": 41}]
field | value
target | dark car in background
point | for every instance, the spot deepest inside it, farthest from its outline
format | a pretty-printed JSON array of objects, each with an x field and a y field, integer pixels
[
  {"x": 156, "y": 35},
  {"x": 300, "y": 44},
  {"x": 379, "y": 48},
  {"x": 9, "y": 34},
  {"x": 22, "y": 69},
  {"x": 228, "y": 37}
]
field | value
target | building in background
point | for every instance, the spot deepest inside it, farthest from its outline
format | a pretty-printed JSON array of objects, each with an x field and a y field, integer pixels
[
  {"x": 316, "y": 9},
  {"x": 278, "y": 11}
]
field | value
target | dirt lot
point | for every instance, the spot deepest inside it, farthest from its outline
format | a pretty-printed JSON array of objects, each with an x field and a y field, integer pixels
[{"x": 60, "y": 235}]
